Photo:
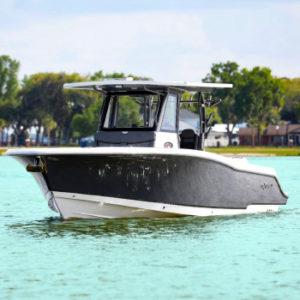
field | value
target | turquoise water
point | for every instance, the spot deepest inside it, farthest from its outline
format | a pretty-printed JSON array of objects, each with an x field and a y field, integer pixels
[{"x": 243, "y": 257}]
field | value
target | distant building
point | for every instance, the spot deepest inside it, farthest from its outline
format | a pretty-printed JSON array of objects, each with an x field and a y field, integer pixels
[
  {"x": 218, "y": 136},
  {"x": 273, "y": 135}
]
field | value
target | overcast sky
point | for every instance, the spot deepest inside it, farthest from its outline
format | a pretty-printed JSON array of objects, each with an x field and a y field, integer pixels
[{"x": 166, "y": 40}]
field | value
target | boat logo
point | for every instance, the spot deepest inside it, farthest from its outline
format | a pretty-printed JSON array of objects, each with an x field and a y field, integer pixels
[{"x": 266, "y": 186}]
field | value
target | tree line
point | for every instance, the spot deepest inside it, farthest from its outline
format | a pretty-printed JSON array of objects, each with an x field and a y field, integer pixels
[{"x": 39, "y": 100}]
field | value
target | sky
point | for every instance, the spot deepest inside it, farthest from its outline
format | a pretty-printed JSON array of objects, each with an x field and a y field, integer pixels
[{"x": 165, "y": 40}]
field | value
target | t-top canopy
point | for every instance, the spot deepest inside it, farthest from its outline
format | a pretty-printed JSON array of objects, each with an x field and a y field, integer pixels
[{"x": 123, "y": 85}]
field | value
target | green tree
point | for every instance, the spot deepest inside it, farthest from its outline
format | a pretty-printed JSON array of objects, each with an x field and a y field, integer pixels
[
  {"x": 36, "y": 96},
  {"x": 262, "y": 94},
  {"x": 85, "y": 124},
  {"x": 216, "y": 118},
  {"x": 8, "y": 89},
  {"x": 8, "y": 79},
  {"x": 291, "y": 109},
  {"x": 129, "y": 112},
  {"x": 231, "y": 109},
  {"x": 100, "y": 76},
  {"x": 76, "y": 101},
  {"x": 43, "y": 95}
]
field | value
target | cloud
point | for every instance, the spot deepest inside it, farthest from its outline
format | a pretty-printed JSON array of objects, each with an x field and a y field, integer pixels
[
  {"x": 144, "y": 43},
  {"x": 165, "y": 45}
]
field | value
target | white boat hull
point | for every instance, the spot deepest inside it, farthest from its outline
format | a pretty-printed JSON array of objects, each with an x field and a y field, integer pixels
[{"x": 90, "y": 206}]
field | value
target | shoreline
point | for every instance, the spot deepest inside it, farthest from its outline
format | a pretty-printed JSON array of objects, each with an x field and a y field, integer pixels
[
  {"x": 232, "y": 151},
  {"x": 251, "y": 154}
]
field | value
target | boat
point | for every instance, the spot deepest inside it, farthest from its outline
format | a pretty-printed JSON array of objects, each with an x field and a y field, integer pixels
[{"x": 142, "y": 166}]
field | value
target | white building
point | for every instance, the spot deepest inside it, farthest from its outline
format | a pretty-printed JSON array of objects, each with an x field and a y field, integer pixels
[{"x": 218, "y": 136}]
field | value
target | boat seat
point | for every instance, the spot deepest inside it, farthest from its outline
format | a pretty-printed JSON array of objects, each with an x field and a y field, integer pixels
[{"x": 188, "y": 139}]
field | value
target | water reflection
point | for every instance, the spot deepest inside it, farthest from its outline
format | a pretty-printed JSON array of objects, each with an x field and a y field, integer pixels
[
  {"x": 51, "y": 227},
  {"x": 126, "y": 227}
]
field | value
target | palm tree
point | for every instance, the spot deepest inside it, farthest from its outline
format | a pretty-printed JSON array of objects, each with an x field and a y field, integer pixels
[{"x": 49, "y": 124}]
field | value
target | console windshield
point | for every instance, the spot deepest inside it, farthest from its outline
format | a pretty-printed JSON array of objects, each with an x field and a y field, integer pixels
[{"x": 131, "y": 112}]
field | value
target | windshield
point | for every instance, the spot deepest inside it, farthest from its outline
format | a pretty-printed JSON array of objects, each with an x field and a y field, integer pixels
[{"x": 131, "y": 112}]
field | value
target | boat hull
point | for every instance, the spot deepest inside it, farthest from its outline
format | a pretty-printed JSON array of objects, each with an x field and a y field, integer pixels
[
  {"x": 81, "y": 206},
  {"x": 188, "y": 181},
  {"x": 117, "y": 183}
]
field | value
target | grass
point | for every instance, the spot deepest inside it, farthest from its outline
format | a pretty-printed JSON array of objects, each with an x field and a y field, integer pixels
[
  {"x": 2, "y": 150},
  {"x": 277, "y": 151}
]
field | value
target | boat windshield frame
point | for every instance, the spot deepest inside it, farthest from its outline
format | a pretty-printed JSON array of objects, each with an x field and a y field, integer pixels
[{"x": 110, "y": 105}]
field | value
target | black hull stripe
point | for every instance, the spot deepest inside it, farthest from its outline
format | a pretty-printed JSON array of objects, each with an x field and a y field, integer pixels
[{"x": 178, "y": 180}]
